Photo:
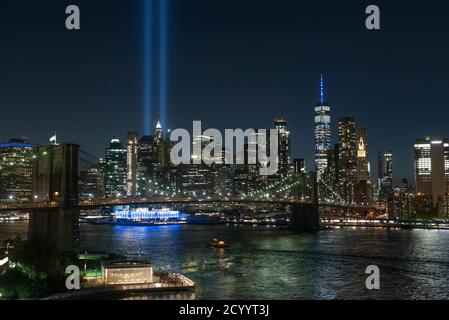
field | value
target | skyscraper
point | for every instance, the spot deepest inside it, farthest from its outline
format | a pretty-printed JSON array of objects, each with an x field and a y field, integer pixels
[
  {"x": 116, "y": 173},
  {"x": 132, "y": 156},
  {"x": 299, "y": 165},
  {"x": 364, "y": 187},
  {"x": 154, "y": 163},
  {"x": 147, "y": 156},
  {"x": 101, "y": 182},
  {"x": 380, "y": 169},
  {"x": 385, "y": 171},
  {"x": 159, "y": 144},
  {"x": 16, "y": 171},
  {"x": 196, "y": 179},
  {"x": 388, "y": 169},
  {"x": 322, "y": 133},
  {"x": 148, "y": 166},
  {"x": 284, "y": 153},
  {"x": 89, "y": 183},
  {"x": 329, "y": 183},
  {"x": 432, "y": 167},
  {"x": 347, "y": 158},
  {"x": 362, "y": 156}
]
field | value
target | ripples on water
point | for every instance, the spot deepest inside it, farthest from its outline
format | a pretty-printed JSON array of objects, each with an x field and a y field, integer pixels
[{"x": 267, "y": 263}]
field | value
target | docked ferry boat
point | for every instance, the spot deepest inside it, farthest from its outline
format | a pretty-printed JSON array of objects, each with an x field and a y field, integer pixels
[{"x": 143, "y": 217}]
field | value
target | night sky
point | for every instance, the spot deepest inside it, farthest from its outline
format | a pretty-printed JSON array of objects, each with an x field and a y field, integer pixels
[{"x": 232, "y": 64}]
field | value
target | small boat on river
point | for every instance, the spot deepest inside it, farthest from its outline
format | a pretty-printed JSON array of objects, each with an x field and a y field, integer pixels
[{"x": 219, "y": 244}]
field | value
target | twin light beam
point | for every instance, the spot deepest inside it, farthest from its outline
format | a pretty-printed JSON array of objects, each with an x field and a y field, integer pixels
[{"x": 150, "y": 9}]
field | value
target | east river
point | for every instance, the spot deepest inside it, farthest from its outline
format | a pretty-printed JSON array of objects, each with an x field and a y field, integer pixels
[{"x": 268, "y": 263}]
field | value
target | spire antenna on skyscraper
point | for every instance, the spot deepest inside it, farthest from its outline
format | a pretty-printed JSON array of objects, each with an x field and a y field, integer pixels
[{"x": 322, "y": 89}]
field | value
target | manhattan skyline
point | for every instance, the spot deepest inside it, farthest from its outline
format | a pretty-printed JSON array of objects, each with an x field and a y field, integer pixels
[
  {"x": 88, "y": 84},
  {"x": 202, "y": 151}
]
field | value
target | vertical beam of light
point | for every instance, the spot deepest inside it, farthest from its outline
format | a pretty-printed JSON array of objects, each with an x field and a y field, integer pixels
[
  {"x": 322, "y": 90},
  {"x": 147, "y": 61},
  {"x": 163, "y": 56}
]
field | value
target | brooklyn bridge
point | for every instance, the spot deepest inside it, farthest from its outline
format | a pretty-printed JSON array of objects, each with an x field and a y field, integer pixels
[{"x": 56, "y": 207}]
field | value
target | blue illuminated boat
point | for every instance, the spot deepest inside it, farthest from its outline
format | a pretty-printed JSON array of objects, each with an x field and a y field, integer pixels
[{"x": 125, "y": 216}]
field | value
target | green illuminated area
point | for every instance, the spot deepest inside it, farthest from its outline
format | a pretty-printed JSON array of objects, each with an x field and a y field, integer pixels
[{"x": 36, "y": 268}]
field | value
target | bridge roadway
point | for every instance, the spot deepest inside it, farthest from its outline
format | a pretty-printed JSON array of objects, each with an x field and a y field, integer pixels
[{"x": 100, "y": 203}]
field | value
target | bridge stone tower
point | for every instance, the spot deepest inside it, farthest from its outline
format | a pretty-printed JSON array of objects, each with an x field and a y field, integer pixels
[
  {"x": 305, "y": 217},
  {"x": 55, "y": 174},
  {"x": 55, "y": 178}
]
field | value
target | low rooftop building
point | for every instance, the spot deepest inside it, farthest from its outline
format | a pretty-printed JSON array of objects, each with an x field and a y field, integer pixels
[{"x": 127, "y": 273}]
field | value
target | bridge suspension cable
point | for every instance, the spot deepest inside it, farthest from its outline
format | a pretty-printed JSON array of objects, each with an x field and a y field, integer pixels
[
  {"x": 88, "y": 155},
  {"x": 336, "y": 194}
]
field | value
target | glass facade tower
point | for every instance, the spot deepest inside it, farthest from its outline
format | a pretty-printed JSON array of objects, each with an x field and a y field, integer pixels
[
  {"x": 432, "y": 167},
  {"x": 322, "y": 133}
]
